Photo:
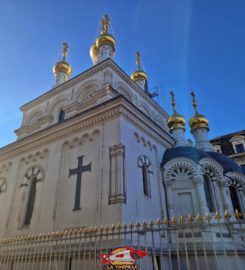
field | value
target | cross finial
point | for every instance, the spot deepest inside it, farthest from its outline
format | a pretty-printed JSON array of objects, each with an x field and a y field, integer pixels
[
  {"x": 138, "y": 60},
  {"x": 173, "y": 102},
  {"x": 105, "y": 24},
  {"x": 64, "y": 51},
  {"x": 194, "y": 102}
]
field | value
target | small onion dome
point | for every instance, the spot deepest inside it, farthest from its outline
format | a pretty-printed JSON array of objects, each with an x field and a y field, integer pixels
[
  {"x": 176, "y": 121},
  {"x": 106, "y": 39},
  {"x": 62, "y": 66},
  {"x": 198, "y": 121},
  {"x": 94, "y": 51},
  {"x": 139, "y": 74}
]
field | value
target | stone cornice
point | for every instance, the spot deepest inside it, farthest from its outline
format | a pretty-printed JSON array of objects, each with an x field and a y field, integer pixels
[
  {"x": 101, "y": 66},
  {"x": 107, "y": 110}
]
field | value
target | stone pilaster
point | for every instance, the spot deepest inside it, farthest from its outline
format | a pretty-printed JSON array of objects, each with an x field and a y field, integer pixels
[
  {"x": 170, "y": 203},
  {"x": 226, "y": 204},
  {"x": 201, "y": 195},
  {"x": 117, "y": 192}
]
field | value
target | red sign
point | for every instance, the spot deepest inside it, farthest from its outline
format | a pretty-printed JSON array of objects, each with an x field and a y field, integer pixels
[{"x": 122, "y": 258}]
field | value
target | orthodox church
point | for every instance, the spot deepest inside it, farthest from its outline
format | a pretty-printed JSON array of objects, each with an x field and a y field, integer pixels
[{"x": 96, "y": 149}]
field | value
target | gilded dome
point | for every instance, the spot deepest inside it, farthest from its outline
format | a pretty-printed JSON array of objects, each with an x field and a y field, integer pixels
[
  {"x": 93, "y": 51},
  {"x": 176, "y": 121},
  {"x": 198, "y": 121},
  {"x": 62, "y": 66},
  {"x": 139, "y": 74},
  {"x": 106, "y": 39}
]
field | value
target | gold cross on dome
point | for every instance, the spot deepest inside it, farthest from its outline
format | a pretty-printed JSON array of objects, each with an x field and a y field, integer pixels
[
  {"x": 173, "y": 102},
  {"x": 194, "y": 102},
  {"x": 138, "y": 60},
  {"x": 105, "y": 24},
  {"x": 64, "y": 51}
]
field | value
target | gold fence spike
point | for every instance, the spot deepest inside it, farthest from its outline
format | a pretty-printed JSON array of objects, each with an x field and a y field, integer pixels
[
  {"x": 165, "y": 221},
  {"x": 158, "y": 222},
  {"x": 237, "y": 214},
  {"x": 207, "y": 217},
  {"x": 144, "y": 225},
  {"x": 199, "y": 218},
  {"x": 113, "y": 227},
  {"x": 227, "y": 215},
  {"x": 137, "y": 225},
  {"x": 182, "y": 219},
  {"x": 125, "y": 226},
  {"x": 174, "y": 220},
  {"x": 131, "y": 225},
  {"x": 217, "y": 216},
  {"x": 119, "y": 226},
  {"x": 101, "y": 228},
  {"x": 190, "y": 218},
  {"x": 152, "y": 223}
]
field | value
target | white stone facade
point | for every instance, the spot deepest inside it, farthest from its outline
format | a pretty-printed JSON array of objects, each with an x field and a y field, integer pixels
[{"x": 109, "y": 121}]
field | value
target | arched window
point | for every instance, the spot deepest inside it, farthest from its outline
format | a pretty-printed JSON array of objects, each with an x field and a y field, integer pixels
[
  {"x": 31, "y": 201},
  {"x": 235, "y": 199},
  {"x": 208, "y": 190},
  {"x": 145, "y": 165},
  {"x": 61, "y": 116},
  {"x": 32, "y": 177}
]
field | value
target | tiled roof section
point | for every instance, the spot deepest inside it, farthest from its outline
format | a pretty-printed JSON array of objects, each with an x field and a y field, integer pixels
[
  {"x": 226, "y": 162},
  {"x": 183, "y": 151},
  {"x": 195, "y": 154}
]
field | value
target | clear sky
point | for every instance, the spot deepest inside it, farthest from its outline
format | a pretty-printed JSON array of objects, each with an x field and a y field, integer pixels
[{"x": 185, "y": 45}]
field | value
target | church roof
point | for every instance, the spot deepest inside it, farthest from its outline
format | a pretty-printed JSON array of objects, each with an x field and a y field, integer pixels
[
  {"x": 226, "y": 162},
  {"x": 183, "y": 151},
  {"x": 195, "y": 154}
]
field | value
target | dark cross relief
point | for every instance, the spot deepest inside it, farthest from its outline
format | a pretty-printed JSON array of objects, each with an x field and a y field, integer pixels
[{"x": 78, "y": 172}]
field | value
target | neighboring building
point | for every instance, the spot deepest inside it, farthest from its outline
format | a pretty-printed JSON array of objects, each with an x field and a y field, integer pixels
[
  {"x": 232, "y": 145},
  {"x": 97, "y": 150}
]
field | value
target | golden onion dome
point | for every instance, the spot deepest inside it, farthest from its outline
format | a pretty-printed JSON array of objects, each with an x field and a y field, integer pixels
[
  {"x": 63, "y": 67},
  {"x": 93, "y": 51},
  {"x": 139, "y": 74},
  {"x": 176, "y": 121},
  {"x": 106, "y": 39},
  {"x": 198, "y": 120}
]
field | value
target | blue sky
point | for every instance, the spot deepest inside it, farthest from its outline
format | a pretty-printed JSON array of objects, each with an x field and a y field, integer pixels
[{"x": 185, "y": 45}]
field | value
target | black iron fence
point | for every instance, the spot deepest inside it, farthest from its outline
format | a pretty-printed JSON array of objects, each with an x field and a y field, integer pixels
[{"x": 210, "y": 243}]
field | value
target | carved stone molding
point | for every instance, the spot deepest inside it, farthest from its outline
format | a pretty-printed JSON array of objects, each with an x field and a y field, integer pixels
[
  {"x": 117, "y": 191},
  {"x": 115, "y": 107},
  {"x": 198, "y": 180}
]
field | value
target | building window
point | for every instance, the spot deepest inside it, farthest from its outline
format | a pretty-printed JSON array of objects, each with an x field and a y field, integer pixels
[
  {"x": 31, "y": 201},
  {"x": 239, "y": 148},
  {"x": 243, "y": 168},
  {"x": 209, "y": 193},
  {"x": 235, "y": 199},
  {"x": 61, "y": 116},
  {"x": 145, "y": 165}
]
